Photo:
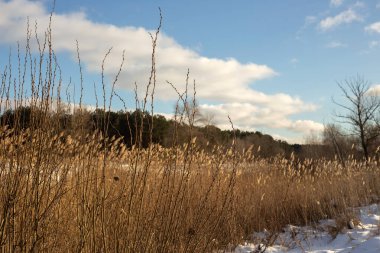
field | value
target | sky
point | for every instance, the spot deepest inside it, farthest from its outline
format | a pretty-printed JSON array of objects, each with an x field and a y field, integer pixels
[{"x": 271, "y": 65}]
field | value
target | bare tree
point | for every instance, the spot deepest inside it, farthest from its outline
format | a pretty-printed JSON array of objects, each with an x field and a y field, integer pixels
[
  {"x": 362, "y": 109},
  {"x": 207, "y": 118},
  {"x": 333, "y": 136}
]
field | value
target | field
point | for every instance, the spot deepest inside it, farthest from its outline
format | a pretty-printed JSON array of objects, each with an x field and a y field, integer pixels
[
  {"x": 74, "y": 190},
  {"x": 60, "y": 193}
]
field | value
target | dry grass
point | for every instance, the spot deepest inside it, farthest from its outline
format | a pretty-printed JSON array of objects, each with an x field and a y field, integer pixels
[
  {"x": 77, "y": 191},
  {"x": 158, "y": 200}
]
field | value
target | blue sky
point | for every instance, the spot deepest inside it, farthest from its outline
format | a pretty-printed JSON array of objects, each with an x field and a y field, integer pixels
[{"x": 271, "y": 65}]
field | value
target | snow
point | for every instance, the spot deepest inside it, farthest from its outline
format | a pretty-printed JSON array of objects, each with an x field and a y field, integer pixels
[{"x": 363, "y": 238}]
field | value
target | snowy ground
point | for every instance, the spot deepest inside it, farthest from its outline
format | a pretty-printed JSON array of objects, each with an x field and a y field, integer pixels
[{"x": 363, "y": 238}]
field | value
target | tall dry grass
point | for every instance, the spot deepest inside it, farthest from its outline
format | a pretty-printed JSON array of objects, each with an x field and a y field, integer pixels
[{"x": 80, "y": 191}]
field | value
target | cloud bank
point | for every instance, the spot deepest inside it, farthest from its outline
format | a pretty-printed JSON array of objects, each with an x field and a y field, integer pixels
[{"x": 225, "y": 83}]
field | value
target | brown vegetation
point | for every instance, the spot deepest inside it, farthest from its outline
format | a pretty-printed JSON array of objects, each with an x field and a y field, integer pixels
[{"x": 74, "y": 191}]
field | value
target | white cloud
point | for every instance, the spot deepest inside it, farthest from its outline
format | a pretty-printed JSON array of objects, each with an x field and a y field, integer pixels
[
  {"x": 224, "y": 81},
  {"x": 374, "y": 90},
  {"x": 251, "y": 117},
  {"x": 306, "y": 126},
  {"x": 167, "y": 115},
  {"x": 374, "y": 27},
  {"x": 335, "y": 44},
  {"x": 294, "y": 61},
  {"x": 345, "y": 17},
  {"x": 219, "y": 79},
  {"x": 336, "y": 2}
]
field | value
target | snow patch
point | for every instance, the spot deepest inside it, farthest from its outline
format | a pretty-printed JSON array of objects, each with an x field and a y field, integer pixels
[{"x": 363, "y": 238}]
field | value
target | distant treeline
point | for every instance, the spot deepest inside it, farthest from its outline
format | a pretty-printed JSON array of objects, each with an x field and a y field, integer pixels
[{"x": 165, "y": 132}]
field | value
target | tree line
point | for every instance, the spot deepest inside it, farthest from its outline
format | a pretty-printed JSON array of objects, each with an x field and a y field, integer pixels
[
  {"x": 355, "y": 134},
  {"x": 127, "y": 125}
]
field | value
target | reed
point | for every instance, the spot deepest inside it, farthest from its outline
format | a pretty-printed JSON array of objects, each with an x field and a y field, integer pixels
[{"x": 71, "y": 189}]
